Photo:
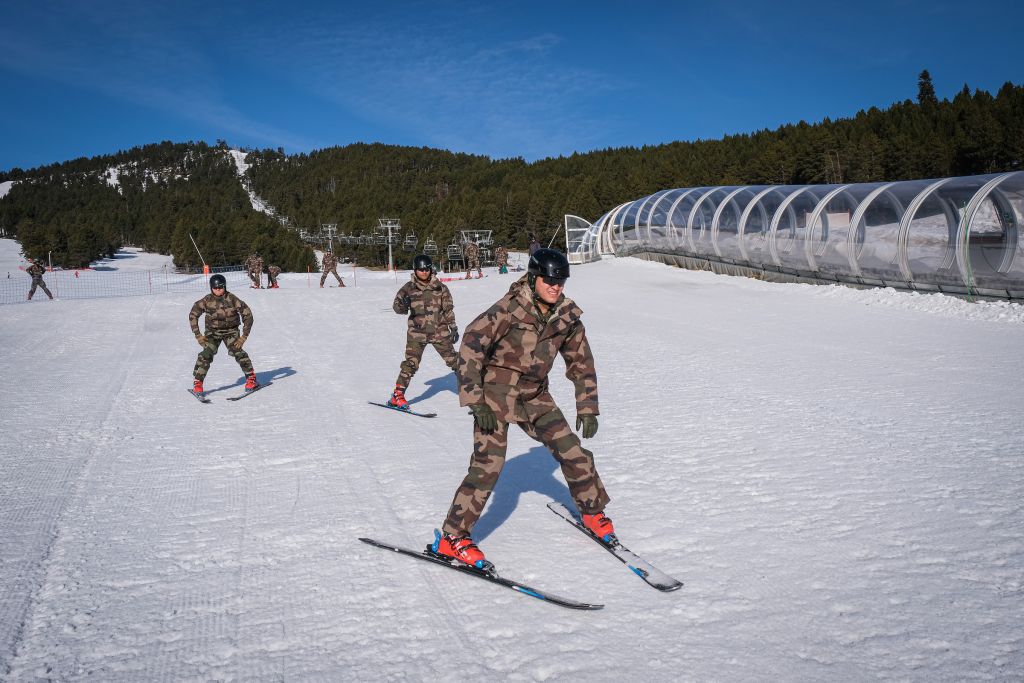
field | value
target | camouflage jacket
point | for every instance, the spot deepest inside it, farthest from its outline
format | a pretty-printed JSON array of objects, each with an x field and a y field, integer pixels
[
  {"x": 274, "y": 270},
  {"x": 330, "y": 262},
  {"x": 508, "y": 351},
  {"x": 501, "y": 256},
  {"x": 254, "y": 264},
  {"x": 222, "y": 313},
  {"x": 471, "y": 251},
  {"x": 430, "y": 308},
  {"x": 35, "y": 270}
]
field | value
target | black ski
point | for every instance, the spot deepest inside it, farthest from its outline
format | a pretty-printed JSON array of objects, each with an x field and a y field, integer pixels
[
  {"x": 402, "y": 410},
  {"x": 248, "y": 392},
  {"x": 199, "y": 397},
  {"x": 491, "y": 575},
  {"x": 639, "y": 566}
]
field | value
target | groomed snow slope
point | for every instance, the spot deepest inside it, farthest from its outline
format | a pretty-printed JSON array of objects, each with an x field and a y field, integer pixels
[{"x": 837, "y": 478}]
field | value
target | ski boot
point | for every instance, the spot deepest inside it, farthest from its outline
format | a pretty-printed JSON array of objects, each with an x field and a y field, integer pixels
[
  {"x": 251, "y": 382},
  {"x": 397, "y": 399},
  {"x": 197, "y": 387},
  {"x": 600, "y": 526},
  {"x": 462, "y": 549}
]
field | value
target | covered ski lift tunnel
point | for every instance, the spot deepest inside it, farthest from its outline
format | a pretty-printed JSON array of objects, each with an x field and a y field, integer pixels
[{"x": 954, "y": 235}]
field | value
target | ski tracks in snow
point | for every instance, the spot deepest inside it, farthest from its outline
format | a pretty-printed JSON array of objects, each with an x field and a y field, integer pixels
[{"x": 52, "y": 566}]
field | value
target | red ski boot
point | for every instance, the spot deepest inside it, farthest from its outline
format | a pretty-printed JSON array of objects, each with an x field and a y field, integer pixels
[
  {"x": 600, "y": 526},
  {"x": 197, "y": 386},
  {"x": 250, "y": 381},
  {"x": 397, "y": 399},
  {"x": 462, "y": 549}
]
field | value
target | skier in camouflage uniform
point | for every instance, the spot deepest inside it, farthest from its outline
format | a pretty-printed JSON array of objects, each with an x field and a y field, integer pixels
[
  {"x": 224, "y": 312},
  {"x": 254, "y": 266},
  {"x": 501, "y": 259},
  {"x": 36, "y": 270},
  {"x": 330, "y": 266},
  {"x": 431, "y": 312},
  {"x": 471, "y": 252},
  {"x": 505, "y": 358},
  {"x": 272, "y": 273}
]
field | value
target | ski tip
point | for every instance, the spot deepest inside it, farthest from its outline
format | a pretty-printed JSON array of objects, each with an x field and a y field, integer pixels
[{"x": 671, "y": 587}]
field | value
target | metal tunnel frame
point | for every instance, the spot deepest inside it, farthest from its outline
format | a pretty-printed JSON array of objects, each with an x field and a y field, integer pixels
[{"x": 956, "y": 235}]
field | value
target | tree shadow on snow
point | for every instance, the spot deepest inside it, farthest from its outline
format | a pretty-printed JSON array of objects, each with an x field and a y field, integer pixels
[
  {"x": 435, "y": 386},
  {"x": 265, "y": 377},
  {"x": 536, "y": 470}
]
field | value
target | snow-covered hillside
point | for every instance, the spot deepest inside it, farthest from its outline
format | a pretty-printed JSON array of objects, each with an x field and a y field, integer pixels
[
  {"x": 238, "y": 157},
  {"x": 835, "y": 475}
]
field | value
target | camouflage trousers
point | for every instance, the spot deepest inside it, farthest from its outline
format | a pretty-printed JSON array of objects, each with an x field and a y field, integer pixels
[
  {"x": 37, "y": 281},
  {"x": 334, "y": 272},
  {"x": 471, "y": 264},
  {"x": 488, "y": 458},
  {"x": 257, "y": 278},
  {"x": 213, "y": 340},
  {"x": 414, "y": 354}
]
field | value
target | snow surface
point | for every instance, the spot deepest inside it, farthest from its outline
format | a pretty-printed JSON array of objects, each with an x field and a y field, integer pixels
[
  {"x": 5, "y": 187},
  {"x": 836, "y": 478},
  {"x": 126, "y": 259}
]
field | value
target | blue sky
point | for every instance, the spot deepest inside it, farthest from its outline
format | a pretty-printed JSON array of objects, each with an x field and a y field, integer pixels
[{"x": 530, "y": 79}]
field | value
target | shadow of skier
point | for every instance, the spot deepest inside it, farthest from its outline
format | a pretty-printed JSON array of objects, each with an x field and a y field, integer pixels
[
  {"x": 435, "y": 386},
  {"x": 536, "y": 470},
  {"x": 265, "y": 377}
]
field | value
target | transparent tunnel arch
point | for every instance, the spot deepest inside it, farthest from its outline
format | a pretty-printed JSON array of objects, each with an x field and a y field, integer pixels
[{"x": 957, "y": 235}]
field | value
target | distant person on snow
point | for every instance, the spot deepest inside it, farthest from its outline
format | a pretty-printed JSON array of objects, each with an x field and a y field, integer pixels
[
  {"x": 534, "y": 244},
  {"x": 501, "y": 259},
  {"x": 431, "y": 312},
  {"x": 36, "y": 270},
  {"x": 472, "y": 253},
  {"x": 272, "y": 273},
  {"x": 224, "y": 313},
  {"x": 254, "y": 266},
  {"x": 505, "y": 358},
  {"x": 330, "y": 266}
]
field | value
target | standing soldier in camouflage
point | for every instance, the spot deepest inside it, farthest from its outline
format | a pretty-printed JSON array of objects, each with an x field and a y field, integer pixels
[
  {"x": 36, "y": 270},
  {"x": 505, "y": 359},
  {"x": 472, "y": 254},
  {"x": 254, "y": 266},
  {"x": 501, "y": 259},
  {"x": 330, "y": 266},
  {"x": 431, "y": 312},
  {"x": 272, "y": 273},
  {"x": 224, "y": 313}
]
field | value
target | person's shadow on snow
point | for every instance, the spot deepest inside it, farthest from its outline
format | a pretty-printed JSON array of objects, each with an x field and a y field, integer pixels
[
  {"x": 536, "y": 470},
  {"x": 265, "y": 377},
  {"x": 435, "y": 386}
]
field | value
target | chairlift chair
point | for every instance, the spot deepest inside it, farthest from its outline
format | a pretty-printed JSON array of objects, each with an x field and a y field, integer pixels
[{"x": 454, "y": 256}]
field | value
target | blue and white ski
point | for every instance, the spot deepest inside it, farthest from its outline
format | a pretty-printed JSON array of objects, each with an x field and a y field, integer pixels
[
  {"x": 487, "y": 575},
  {"x": 645, "y": 570},
  {"x": 248, "y": 392},
  {"x": 199, "y": 397},
  {"x": 408, "y": 411}
]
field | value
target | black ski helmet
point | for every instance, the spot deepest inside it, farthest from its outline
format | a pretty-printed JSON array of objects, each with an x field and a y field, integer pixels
[
  {"x": 550, "y": 264},
  {"x": 422, "y": 262},
  {"x": 218, "y": 280}
]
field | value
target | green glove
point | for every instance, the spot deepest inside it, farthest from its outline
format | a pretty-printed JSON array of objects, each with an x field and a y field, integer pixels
[
  {"x": 240, "y": 342},
  {"x": 201, "y": 339},
  {"x": 589, "y": 424},
  {"x": 484, "y": 417}
]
